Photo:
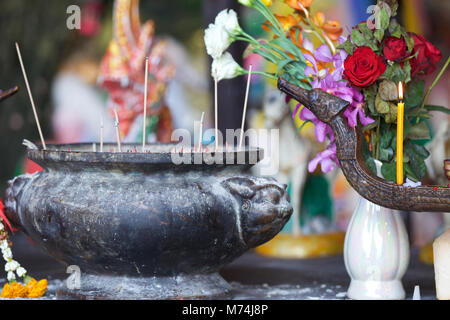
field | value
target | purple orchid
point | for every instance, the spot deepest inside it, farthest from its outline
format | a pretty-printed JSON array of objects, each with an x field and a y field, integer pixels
[
  {"x": 327, "y": 160},
  {"x": 332, "y": 83},
  {"x": 321, "y": 128}
]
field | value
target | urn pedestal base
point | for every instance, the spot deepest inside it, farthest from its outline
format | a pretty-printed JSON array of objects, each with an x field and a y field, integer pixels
[
  {"x": 94, "y": 287},
  {"x": 376, "y": 290}
]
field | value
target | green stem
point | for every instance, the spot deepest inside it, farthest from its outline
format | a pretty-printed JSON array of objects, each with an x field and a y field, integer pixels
[
  {"x": 432, "y": 86},
  {"x": 378, "y": 144},
  {"x": 265, "y": 74}
]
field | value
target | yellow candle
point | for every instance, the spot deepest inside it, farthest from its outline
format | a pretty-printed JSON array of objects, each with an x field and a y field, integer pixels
[{"x": 400, "y": 119}]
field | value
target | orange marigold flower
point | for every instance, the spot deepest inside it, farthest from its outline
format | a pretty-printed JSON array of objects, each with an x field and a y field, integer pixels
[
  {"x": 295, "y": 4},
  {"x": 15, "y": 290},
  {"x": 33, "y": 289},
  {"x": 36, "y": 289}
]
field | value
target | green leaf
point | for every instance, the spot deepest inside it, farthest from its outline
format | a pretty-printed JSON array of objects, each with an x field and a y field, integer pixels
[
  {"x": 380, "y": 105},
  {"x": 358, "y": 38},
  {"x": 437, "y": 108},
  {"x": 369, "y": 98},
  {"x": 389, "y": 171},
  {"x": 366, "y": 32},
  {"x": 394, "y": 29},
  {"x": 265, "y": 55},
  {"x": 419, "y": 131},
  {"x": 347, "y": 46},
  {"x": 386, "y": 154},
  {"x": 408, "y": 39},
  {"x": 418, "y": 149},
  {"x": 410, "y": 173},
  {"x": 384, "y": 17},
  {"x": 414, "y": 93},
  {"x": 379, "y": 34},
  {"x": 416, "y": 161},
  {"x": 368, "y": 159},
  {"x": 388, "y": 90},
  {"x": 386, "y": 138},
  {"x": 407, "y": 71},
  {"x": 281, "y": 65},
  {"x": 397, "y": 73}
]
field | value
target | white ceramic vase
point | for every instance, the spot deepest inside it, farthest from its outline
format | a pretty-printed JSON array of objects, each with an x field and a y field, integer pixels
[{"x": 376, "y": 252}]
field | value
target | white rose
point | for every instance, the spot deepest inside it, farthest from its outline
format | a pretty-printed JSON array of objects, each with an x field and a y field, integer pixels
[
  {"x": 217, "y": 40},
  {"x": 11, "y": 276},
  {"x": 228, "y": 20},
  {"x": 225, "y": 67},
  {"x": 21, "y": 271},
  {"x": 1, "y": 226}
]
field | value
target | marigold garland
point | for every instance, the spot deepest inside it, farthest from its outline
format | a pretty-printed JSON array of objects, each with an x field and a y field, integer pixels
[{"x": 13, "y": 289}]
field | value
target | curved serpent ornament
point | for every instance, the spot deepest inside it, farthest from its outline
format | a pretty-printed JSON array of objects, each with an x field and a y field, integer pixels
[{"x": 329, "y": 109}]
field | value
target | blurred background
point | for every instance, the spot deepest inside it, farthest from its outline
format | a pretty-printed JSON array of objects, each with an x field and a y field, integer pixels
[{"x": 64, "y": 65}]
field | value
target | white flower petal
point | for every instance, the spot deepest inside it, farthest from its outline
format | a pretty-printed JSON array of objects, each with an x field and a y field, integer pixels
[
  {"x": 217, "y": 40},
  {"x": 225, "y": 67},
  {"x": 11, "y": 276},
  {"x": 228, "y": 20},
  {"x": 21, "y": 271}
]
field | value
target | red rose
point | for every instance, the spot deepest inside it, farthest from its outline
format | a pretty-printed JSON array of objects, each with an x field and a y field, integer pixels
[
  {"x": 427, "y": 58},
  {"x": 364, "y": 67},
  {"x": 394, "y": 48}
]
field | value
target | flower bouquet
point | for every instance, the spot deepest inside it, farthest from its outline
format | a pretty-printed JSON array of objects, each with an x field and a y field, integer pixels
[{"x": 363, "y": 69}]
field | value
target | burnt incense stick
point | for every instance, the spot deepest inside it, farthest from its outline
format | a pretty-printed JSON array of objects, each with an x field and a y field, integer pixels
[
  {"x": 245, "y": 105},
  {"x": 101, "y": 134},
  {"x": 145, "y": 105},
  {"x": 116, "y": 125},
  {"x": 201, "y": 132},
  {"x": 216, "y": 112},
  {"x": 31, "y": 96}
]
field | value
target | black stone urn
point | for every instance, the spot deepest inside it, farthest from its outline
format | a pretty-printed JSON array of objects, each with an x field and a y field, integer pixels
[{"x": 140, "y": 226}]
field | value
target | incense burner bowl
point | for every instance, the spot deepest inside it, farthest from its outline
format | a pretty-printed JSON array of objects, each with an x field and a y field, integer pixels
[{"x": 139, "y": 226}]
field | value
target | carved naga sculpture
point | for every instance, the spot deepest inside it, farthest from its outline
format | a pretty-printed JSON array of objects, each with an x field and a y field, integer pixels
[
  {"x": 329, "y": 109},
  {"x": 122, "y": 71}
]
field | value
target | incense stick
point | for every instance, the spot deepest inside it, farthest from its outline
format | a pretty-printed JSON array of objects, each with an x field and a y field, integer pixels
[
  {"x": 215, "y": 112},
  {"x": 200, "y": 140},
  {"x": 116, "y": 124},
  {"x": 245, "y": 105},
  {"x": 101, "y": 134},
  {"x": 31, "y": 96},
  {"x": 145, "y": 104}
]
